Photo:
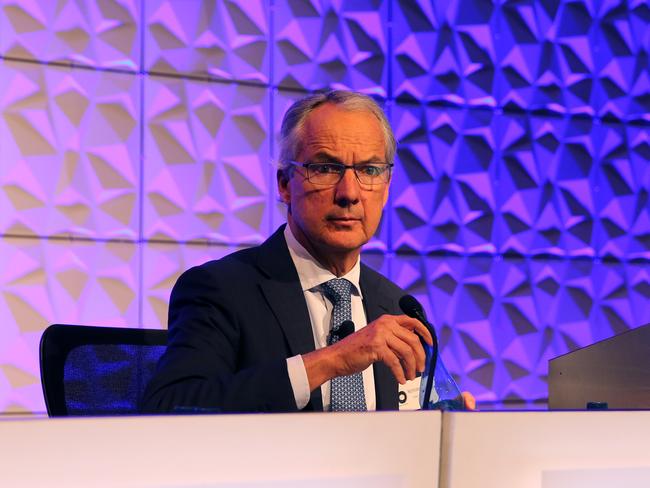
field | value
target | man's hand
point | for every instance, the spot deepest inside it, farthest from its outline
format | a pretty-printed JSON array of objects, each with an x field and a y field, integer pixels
[{"x": 391, "y": 339}]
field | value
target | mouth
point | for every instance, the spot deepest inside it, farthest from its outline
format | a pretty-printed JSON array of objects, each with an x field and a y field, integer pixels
[{"x": 343, "y": 219}]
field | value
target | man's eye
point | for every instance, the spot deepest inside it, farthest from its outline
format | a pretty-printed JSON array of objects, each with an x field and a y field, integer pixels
[
  {"x": 325, "y": 168},
  {"x": 370, "y": 170}
]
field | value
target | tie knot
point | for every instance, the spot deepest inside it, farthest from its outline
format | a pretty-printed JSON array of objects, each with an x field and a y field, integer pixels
[{"x": 337, "y": 290}]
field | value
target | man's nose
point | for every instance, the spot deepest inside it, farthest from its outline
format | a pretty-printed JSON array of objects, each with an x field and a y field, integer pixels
[{"x": 347, "y": 189}]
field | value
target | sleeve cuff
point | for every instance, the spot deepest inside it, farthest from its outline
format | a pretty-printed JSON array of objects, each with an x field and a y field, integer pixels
[{"x": 299, "y": 380}]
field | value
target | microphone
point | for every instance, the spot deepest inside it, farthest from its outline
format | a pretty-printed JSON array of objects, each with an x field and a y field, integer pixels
[
  {"x": 411, "y": 307},
  {"x": 345, "y": 329},
  {"x": 341, "y": 332}
]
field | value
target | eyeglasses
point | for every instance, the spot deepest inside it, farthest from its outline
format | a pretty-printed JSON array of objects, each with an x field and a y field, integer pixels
[{"x": 329, "y": 174}]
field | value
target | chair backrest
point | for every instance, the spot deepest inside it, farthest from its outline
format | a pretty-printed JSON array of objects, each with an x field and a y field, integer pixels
[{"x": 97, "y": 370}]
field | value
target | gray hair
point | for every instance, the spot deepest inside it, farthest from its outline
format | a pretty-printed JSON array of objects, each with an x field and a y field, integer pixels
[{"x": 295, "y": 117}]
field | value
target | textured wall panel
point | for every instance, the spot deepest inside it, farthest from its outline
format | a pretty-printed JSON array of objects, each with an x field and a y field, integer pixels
[
  {"x": 47, "y": 281},
  {"x": 162, "y": 264},
  {"x": 623, "y": 199},
  {"x": 523, "y": 131},
  {"x": 331, "y": 44},
  {"x": 521, "y": 365},
  {"x": 622, "y": 65},
  {"x": 499, "y": 321},
  {"x": 101, "y": 33},
  {"x": 443, "y": 187},
  {"x": 69, "y": 152},
  {"x": 546, "y": 54},
  {"x": 444, "y": 51},
  {"x": 281, "y": 100},
  {"x": 619, "y": 292},
  {"x": 638, "y": 281},
  {"x": 207, "y": 165},
  {"x": 223, "y": 39},
  {"x": 547, "y": 185}
]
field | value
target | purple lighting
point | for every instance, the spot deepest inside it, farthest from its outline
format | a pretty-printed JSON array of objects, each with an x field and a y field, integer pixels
[{"x": 137, "y": 139}]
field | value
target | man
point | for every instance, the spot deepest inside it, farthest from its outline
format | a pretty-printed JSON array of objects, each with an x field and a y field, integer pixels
[{"x": 251, "y": 332}]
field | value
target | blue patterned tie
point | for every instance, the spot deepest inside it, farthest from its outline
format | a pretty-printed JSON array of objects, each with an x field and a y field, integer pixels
[{"x": 346, "y": 394}]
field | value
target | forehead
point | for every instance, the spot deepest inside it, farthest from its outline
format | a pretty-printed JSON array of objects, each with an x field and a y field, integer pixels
[{"x": 349, "y": 135}]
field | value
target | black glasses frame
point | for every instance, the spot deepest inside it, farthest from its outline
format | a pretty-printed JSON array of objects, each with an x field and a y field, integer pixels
[{"x": 353, "y": 167}]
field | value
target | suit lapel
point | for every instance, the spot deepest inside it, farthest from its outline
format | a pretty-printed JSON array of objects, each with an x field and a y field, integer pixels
[
  {"x": 377, "y": 303},
  {"x": 285, "y": 297},
  {"x": 375, "y": 300}
]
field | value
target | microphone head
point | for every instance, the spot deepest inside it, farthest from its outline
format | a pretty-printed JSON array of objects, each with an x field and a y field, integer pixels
[
  {"x": 341, "y": 332},
  {"x": 345, "y": 329},
  {"x": 411, "y": 307}
]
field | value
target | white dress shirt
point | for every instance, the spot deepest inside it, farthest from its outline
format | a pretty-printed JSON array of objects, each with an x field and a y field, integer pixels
[{"x": 312, "y": 275}]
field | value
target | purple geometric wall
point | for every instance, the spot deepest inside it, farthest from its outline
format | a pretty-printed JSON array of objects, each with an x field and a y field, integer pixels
[{"x": 137, "y": 139}]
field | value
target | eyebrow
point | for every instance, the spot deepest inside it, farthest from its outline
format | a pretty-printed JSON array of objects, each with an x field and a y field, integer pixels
[{"x": 323, "y": 156}]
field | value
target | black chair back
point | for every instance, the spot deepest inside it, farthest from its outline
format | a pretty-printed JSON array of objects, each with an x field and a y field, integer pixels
[{"x": 97, "y": 370}]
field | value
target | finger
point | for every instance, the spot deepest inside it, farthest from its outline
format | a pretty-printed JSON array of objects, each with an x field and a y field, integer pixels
[
  {"x": 422, "y": 335},
  {"x": 413, "y": 340},
  {"x": 404, "y": 352},
  {"x": 391, "y": 360},
  {"x": 416, "y": 326},
  {"x": 469, "y": 400}
]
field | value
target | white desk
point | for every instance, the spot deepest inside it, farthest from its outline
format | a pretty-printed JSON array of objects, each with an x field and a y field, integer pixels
[
  {"x": 546, "y": 449},
  {"x": 379, "y": 450}
]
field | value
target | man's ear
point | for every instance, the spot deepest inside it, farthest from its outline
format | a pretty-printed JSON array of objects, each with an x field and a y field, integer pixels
[{"x": 283, "y": 185}]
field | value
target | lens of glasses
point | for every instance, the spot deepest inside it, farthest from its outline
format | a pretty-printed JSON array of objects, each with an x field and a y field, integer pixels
[{"x": 331, "y": 174}]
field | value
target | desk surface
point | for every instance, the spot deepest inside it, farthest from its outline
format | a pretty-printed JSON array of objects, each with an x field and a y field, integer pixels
[
  {"x": 379, "y": 450},
  {"x": 300, "y": 450},
  {"x": 546, "y": 449}
]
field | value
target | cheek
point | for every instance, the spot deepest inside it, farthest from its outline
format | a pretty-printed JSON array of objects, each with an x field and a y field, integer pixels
[
  {"x": 374, "y": 209},
  {"x": 378, "y": 201},
  {"x": 313, "y": 201},
  {"x": 385, "y": 197},
  {"x": 307, "y": 206}
]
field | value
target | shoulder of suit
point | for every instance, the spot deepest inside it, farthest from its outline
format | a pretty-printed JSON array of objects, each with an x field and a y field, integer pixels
[
  {"x": 387, "y": 286},
  {"x": 233, "y": 267}
]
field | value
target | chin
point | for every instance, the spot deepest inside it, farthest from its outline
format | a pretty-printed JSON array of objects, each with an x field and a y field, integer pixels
[{"x": 343, "y": 242}]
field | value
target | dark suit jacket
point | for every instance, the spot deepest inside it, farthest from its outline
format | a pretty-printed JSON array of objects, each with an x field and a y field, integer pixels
[{"x": 235, "y": 321}]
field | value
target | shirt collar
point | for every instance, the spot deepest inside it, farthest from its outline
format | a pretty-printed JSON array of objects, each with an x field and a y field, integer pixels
[{"x": 310, "y": 272}]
